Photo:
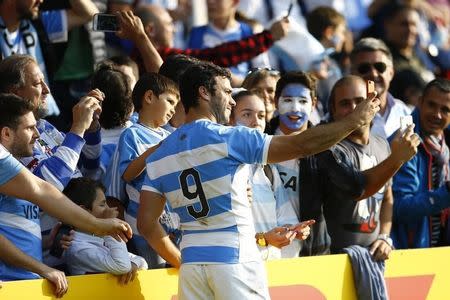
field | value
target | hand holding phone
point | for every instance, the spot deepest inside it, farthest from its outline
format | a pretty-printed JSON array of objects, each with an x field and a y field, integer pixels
[
  {"x": 405, "y": 121},
  {"x": 105, "y": 22},
  {"x": 370, "y": 87}
]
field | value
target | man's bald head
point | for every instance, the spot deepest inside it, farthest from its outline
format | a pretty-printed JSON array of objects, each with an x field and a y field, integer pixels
[
  {"x": 158, "y": 24},
  {"x": 348, "y": 81}
]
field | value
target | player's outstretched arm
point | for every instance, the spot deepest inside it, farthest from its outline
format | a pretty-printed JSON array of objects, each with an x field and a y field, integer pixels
[
  {"x": 322, "y": 137},
  {"x": 150, "y": 209},
  {"x": 27, "y": 186}
]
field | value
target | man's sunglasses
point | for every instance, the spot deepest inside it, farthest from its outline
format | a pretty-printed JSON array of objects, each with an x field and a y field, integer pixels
[{"x": 366, "y": 67}]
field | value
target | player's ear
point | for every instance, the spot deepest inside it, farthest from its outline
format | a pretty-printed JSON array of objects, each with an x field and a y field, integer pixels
[
  {"x": 5, "y": 134},
  {"x": 204, "y": 93}
]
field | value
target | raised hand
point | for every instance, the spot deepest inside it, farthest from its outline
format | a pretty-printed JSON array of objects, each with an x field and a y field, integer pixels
[
  {"x": 280, "y": 29},
  {"x": 84, "y": 111},
  {"x": 404, "y": 145},
  {"x": 365, "y": 111},
  {"x": 131, "y": 26}
]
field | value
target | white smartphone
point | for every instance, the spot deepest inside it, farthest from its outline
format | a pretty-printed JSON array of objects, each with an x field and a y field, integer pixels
[
  {"x": 105, "y": 22},
  {"x": 405, "y": 121}
]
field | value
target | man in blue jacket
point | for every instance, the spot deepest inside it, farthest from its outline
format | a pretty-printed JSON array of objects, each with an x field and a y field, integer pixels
[{"x": 421, "y": 187}]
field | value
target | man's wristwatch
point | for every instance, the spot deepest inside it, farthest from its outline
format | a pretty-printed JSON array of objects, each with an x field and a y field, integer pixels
[
  {"x": 385, "y": 237},
  {"x": 261, "y": 240}
]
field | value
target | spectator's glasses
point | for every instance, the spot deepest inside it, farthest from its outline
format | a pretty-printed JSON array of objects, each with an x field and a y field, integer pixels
[
  {"x": 271, "y": 71},
  {"x": 366, "y": 67}
]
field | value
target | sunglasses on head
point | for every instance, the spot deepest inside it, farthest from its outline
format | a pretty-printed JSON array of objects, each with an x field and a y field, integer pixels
[
  {"x": 270, "y": 70},
  {"x": 366, "y": 67}
]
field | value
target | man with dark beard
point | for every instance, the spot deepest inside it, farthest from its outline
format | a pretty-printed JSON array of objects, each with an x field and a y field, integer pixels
[
  {"x": 372, "y": 60},
  {"x": 202, "y": 170},
  {"x": 55, "y": 155},
  {"x": 24, "y": 31},
  {"x": 20, "y": 236}
]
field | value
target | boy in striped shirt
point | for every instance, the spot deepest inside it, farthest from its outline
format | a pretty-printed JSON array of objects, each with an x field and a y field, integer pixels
[{"x": 154, "y": 98}]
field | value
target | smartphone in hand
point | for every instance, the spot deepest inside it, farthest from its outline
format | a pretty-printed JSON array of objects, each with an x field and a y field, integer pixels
[
  {"x": 105, "y": 22},
  {"x": 405, "y": 121},
  {"x": 370, "y": 87}
]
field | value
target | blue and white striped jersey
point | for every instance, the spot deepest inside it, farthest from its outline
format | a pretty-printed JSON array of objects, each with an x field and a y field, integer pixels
[
  {"x": 56, "y": 156},
  {"x": 19, "y": 223},
  {"x": 201, "y": 169},
  {"x": 9, "y": 166},
  {"x": 133, "y": 142},
  {"x": 110, "y": 140}
]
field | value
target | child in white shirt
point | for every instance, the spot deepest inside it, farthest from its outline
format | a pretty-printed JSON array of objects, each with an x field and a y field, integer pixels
[{"x": 93, "y": 254}]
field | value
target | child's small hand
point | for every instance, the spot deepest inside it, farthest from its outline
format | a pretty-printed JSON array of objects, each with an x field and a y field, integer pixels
[
  {"x": 110, "y": 212},
  {"x": 130, "y": 276},
  {"x": 66, "y": 240}
]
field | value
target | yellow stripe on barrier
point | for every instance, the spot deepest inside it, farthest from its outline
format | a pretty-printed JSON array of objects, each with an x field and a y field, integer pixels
[{"x": 410, "y": 274}]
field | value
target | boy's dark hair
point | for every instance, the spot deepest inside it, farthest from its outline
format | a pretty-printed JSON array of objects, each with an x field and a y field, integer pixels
[
  {"x": 12, "y": 107},
  {"x": 155, "y": 82},
  {"x": 83, "y": 190},
  {"x": 117, "y": 105},
  {"x": 321, "y": 18},
  {"x": 175, "y": 65},
  {"x": 200, "y": 74},
  {"x": 300, "y": 77}
]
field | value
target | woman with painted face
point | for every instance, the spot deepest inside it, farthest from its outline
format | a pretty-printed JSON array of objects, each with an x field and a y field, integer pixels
[{"x": 279, "y": 231}]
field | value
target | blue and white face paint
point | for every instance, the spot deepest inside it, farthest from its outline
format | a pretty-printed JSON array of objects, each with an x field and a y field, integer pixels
[{"x": 295, "y": 105}]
